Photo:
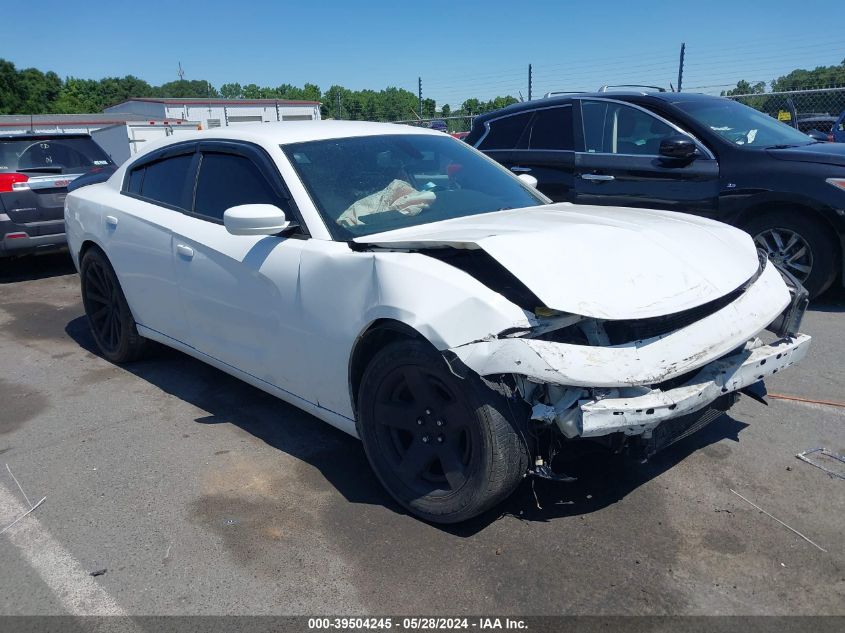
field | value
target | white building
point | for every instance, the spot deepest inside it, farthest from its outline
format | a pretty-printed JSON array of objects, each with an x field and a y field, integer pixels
[
  {"x": 213, "y": 113},
  {"x": 83, "y": 123}
]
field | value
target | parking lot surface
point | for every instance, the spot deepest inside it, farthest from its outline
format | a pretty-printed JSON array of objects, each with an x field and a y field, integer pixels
[{"x": 197, "y": 493}]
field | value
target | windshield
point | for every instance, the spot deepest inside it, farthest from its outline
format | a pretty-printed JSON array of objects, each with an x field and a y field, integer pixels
[
  {"x": 51, "y": 155},
  {"x": 741, "y": 124},
  {"x": 364, "y": 185}
]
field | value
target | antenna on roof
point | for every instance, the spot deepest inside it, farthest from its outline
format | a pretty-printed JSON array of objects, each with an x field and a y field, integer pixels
[{"x": 181, "y": 72}]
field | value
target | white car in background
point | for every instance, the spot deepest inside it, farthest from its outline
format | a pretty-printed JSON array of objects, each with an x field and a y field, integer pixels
[{"x": 406, "y": 289}]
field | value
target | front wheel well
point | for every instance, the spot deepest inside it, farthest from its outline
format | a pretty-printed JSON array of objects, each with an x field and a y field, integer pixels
[{"x": 378, "y": 335}]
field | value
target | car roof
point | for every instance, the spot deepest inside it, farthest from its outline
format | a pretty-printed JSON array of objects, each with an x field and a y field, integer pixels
[
  {"x": 42, "y": 135},
  {"x": 286, "y": 132},
  {"x": 669, "y": 97}
]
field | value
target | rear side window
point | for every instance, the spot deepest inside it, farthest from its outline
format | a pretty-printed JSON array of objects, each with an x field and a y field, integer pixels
[
  {"x": 551, "y": 128},
  {"x": 506, "y": 132},
  {"x": 227, "y": 180},
  {"x": 166, "y": 180}
]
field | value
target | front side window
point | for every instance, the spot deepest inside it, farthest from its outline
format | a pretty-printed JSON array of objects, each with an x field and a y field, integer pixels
[
  {"x": 742, "y": 125},
  {"x": 505, "y": 133},
  {"x": 614, "y": 128},
  {"x": 365, "y": 185},
  {"x": 165, "y": 181},
  {"x": 227, "y": 180},
  {"x": 551, "y": 129}
]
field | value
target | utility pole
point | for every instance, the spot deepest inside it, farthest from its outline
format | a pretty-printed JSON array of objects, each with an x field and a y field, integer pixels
[
  {"x": 681, "y": 66},
  {"x": 419, "y": 92},
  {"x": 530, "y": 77}
]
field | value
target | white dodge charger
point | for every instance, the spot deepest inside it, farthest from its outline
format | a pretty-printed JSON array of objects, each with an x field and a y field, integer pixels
[{"x": 406, "y": 289}]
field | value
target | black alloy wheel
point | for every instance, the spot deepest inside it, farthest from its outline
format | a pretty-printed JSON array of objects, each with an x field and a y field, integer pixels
[
  {"x": 444, "y": 447},
  {"x": 109, "y": 317}
]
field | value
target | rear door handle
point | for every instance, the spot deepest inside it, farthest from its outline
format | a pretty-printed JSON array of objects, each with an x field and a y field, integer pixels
[
  {"x": 111, "y": 220},
  {"x": 520, "y": 169},
  {"x": 185, "y": 251},
  {"x": 597, "y": 177}
]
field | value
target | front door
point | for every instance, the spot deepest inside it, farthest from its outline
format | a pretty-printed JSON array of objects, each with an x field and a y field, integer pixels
[
  {"x": 238, "y": 292},
  {"x": 619, "y": 162}
]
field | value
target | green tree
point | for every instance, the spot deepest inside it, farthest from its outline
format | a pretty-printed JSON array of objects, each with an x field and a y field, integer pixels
[
  {"x": 231, "y": 91},
  {"x": 10, "y": 90}
]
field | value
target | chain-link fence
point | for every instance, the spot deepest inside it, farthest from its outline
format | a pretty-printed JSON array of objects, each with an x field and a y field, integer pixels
[
  {"x": 807, "y": 110},
  {"x": 456, "y": 124}
]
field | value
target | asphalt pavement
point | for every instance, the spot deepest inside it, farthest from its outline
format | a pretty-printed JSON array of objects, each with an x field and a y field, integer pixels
[{"x": 197, "y": 493}]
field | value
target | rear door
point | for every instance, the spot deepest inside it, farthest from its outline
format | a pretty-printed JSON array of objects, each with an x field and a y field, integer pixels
[
  {"x": 548, "y": 152},
  {"x": 618, "y": 163},
  {"x": 139, "y": 236}
]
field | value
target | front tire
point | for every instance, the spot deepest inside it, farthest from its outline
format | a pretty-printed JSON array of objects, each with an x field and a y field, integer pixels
[
  {"x": 109, "y": 316},
  {"x": 445, "y": 448},
  {"x": 802, "y": 245}
]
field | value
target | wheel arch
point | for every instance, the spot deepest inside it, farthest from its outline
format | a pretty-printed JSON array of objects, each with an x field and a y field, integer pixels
[
  {"x": 374, "y": 337},
  {"x": 86, "y": 246},
  {"x": 768, "y": 207}
]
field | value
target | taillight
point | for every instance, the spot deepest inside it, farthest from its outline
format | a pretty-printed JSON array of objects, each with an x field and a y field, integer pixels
[
  {"x": 7, "y": 181},
  {"x": 830, "y": 137}
]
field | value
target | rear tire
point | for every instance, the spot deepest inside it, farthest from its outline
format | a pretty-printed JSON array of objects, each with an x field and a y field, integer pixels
[
  {"x": 803, "y": 245},
  {"x": 109, "y": 316},
  {"x": 445, "y": 448}
]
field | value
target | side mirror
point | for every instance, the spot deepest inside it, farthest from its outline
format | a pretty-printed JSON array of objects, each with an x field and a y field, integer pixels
[
  {"x": 528, "y": 179},
  {"x": 817, "y": 135},
  {"x": 678, "y": 147},
  {"x": 255, "y": 219}
]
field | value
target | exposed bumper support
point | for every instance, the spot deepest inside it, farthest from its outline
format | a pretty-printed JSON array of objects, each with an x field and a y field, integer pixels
[{"x": 637, "y": 414}]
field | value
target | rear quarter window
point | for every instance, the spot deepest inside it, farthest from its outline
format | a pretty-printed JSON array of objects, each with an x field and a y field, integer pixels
[{"x": 506, "y": 132}]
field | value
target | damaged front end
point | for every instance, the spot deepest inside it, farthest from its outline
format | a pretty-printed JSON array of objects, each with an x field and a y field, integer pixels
[{"x": 647, "y": 382}]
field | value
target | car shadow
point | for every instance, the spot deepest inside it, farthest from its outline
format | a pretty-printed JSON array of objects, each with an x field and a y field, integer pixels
[
  {"x": 832, "y": 300},
  {"x": 34, "y": 267},
  {"x": 602, "y": 478}
]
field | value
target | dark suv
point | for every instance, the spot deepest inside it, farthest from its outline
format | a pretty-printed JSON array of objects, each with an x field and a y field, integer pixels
[
  {"x": 684, "y": 152},
  {"x": 35, "y": 170}
]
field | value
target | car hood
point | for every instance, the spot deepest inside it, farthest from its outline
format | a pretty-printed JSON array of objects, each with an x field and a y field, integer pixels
[
  {"x": 603, "y": 262},
  {"x": 827, "y": 153}
]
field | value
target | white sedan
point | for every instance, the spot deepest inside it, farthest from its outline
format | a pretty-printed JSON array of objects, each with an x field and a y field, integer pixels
[{"x": 404, "y": 288}]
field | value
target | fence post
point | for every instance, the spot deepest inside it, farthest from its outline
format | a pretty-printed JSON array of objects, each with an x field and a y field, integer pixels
[
  {"x": 529, "y": 81},
  {"x": 681, "y": 66}
]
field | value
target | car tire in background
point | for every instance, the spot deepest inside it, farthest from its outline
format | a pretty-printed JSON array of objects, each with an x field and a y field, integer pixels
[
  {"x": 798, "y": 243},
  {"x": 445, "y": 448},
  {"x": 109, "y": 316}
]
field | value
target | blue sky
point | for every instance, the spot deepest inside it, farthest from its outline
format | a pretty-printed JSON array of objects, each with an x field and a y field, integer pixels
[{"x": 460, "y": 49}]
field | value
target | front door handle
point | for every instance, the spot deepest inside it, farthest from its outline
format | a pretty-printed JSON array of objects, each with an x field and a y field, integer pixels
[
  {"x": 185, "y": 251},
  {"x": 111, "y": 221},
  {"x": 597, "y": 177},
  {"x": 519, "y": 170}
]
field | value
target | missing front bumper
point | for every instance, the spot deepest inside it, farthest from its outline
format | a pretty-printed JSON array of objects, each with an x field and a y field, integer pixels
[{"x": 633, "y": 411}]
